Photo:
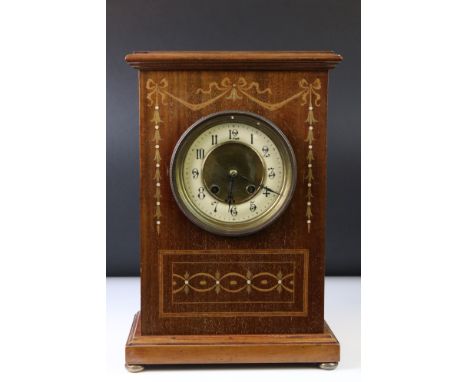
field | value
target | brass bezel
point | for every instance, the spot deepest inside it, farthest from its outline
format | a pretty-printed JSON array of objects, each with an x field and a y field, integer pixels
[{"x": 233, "y": 228}]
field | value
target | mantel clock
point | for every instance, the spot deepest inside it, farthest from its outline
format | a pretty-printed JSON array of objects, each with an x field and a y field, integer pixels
[{"x": 232, "y": 197}]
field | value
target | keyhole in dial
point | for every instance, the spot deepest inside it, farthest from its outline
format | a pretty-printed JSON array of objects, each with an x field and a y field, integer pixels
[
  {"x": 250, "y": 188},
  {"x": 214, "y": 189}
]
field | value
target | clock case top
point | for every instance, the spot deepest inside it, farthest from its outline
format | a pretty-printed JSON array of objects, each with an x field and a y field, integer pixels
[{"x": 179, "y": 88}]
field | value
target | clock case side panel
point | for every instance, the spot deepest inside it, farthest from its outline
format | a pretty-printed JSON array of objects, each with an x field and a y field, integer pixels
[
  {"x": 146, "y": 218},
  {"x": 176, "y": 233}
]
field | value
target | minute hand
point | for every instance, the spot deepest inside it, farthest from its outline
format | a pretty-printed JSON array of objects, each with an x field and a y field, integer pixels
[
  {"x": 230, "y": 200},
  {"x": 258, "y": 185}
]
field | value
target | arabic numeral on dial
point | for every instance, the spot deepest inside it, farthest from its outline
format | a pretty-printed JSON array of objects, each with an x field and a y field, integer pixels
[
  {"x": 266, "y": 192},
  {"x": 195, "y": 173},
  {"x": 201, "y": 193},
  {"x": 271, "y": 172},
  {"x": 265, "y": 151},
  {"x": 253, "y": 207},
  {"x": 251, "y": 139},
  {"x": 214, "y": 140},
  {"x": 200, "y": 153},
  {"x": 233, "y": 211},
  {"x": 215, "y": 204},
  {"x": 233, "y": 134}
]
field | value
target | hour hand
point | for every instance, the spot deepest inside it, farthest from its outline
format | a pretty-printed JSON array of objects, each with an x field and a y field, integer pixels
[
  {"x": 258, "y": 185},
  {"x": 269, "y": 189}
]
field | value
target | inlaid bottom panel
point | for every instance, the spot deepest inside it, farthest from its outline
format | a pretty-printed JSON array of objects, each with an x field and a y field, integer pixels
[{"x": 226, "y": 283}]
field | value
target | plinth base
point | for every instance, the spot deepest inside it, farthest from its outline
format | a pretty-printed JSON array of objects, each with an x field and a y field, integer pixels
[{"x": 320, "y": 348}]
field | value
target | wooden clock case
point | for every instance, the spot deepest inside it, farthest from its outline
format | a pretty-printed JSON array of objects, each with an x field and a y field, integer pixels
[{"x": 207, "y": 298}]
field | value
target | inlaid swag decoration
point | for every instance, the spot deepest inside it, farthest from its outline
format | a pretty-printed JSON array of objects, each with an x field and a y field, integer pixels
[
  {"x": 158, "y": 94},
  {"x": 232, "y": 282}
]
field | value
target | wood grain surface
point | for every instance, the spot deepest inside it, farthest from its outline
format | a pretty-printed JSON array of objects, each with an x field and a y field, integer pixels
[
  {"x": 232, "y": 60},
  {"x": 298, "y": 348},
  {"x": 170, "y": 102}
]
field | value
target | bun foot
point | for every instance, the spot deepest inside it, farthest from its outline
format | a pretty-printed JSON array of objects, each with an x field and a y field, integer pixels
[
  {"x": 134, "y": 368},
  {"x": 328, "y": 365}
]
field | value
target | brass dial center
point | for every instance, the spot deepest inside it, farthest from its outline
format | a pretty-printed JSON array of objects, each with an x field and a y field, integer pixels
[{"x": 233, "y": 171}]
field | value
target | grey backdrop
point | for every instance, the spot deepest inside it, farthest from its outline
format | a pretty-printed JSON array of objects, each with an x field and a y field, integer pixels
[{"x": 234, "y": 25}]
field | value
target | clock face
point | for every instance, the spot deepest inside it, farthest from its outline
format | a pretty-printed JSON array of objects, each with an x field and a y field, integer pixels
[{"x": 233, "y": 173}]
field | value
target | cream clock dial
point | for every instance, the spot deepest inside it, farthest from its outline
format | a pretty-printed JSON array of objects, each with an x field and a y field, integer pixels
[{"x": 233, "y": 173}]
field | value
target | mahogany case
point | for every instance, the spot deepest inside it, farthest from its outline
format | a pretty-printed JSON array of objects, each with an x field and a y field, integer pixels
[{"x": 198, "y": 284}]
